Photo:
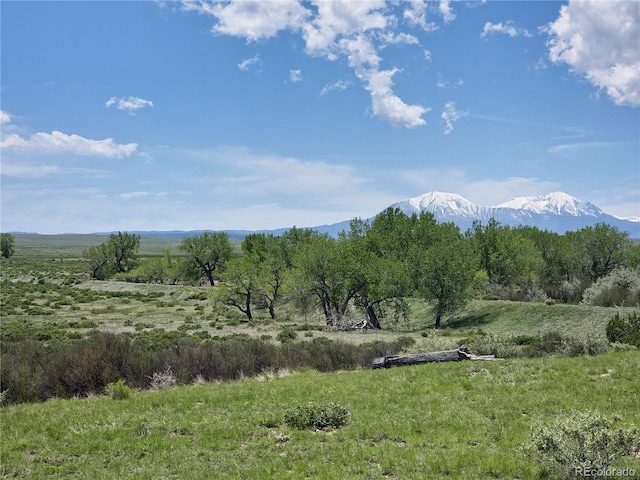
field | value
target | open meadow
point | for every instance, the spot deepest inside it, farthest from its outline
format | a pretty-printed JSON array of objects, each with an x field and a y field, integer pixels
[{"x": 235, "y": 390}]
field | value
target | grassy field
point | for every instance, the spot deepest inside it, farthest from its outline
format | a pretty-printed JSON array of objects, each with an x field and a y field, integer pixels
[{"x": 465, "y": 420}]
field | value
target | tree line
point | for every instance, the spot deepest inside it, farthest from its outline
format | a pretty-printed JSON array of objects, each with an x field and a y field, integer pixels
[{"x": 374, "y": 268}]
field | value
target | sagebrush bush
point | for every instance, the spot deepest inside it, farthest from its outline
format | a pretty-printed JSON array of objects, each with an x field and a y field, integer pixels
[
  {"x": 621, "y": 287},
  {"x": 550, "y": 343},
  {"x": 317, "y": 416},
  {"x": 34, "y": 370},
  {"x": 119, "y": 390},
  {"x": 623, "y": 330},
  {"x": 586, "y": 440},
  {"x": 286, "y": 335}
]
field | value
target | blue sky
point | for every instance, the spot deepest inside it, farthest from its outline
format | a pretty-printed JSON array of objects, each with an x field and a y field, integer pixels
[{"x": 256, "y": 115}]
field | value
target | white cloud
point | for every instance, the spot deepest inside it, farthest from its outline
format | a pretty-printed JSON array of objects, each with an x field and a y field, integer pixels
[
  {"x": 58, "y": 142},
  {"x": 129, "y": 104},
  {"x": 4, "y": 117},
  {"x": 254, "y": 20},
  {"x": 389, "y": 106},
  {"x": 441, "y": 83},
  {"x": 508, "y": 28},
  {"x": 390, "y": 38},
  {"x": 295, "y": 75},
  {"x": 335, "y": 86},
  {"x": 582, "y": 146},
  {"x": 450, "y": 115},
  {"x": 355, "y": 30},
  {"x": 599, "y": 40},
  {"x": 341, "y": 18},
  {"x": 416, "y": 15},
  {"x": 247, "y": 63},
  {"x": 445, "y": 10},
  {"x": 130, "y": 195}
]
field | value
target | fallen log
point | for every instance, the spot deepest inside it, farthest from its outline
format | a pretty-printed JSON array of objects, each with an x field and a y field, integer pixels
[{"x": 456, "y": 355}]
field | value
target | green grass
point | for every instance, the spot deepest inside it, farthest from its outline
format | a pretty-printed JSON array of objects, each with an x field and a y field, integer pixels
[{"x": 463, "y": 420}]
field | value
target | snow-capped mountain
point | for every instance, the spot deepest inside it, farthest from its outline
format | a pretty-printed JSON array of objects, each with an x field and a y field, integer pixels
[
  {"x": 556, "y": 203},
  {"x": 557, "y": 211}
]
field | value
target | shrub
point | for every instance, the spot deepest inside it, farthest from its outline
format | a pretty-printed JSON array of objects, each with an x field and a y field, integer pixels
[
  {"x": 286, "y": 335},
  {"x": 580, "y": 441},
  {"x": 163, "y": 380},
  {"x": 119, "y": 390},
  {"x": 624, "y": 330},
  {"x": 620, "y": 287},
  {"x": 317, "y": 416}
]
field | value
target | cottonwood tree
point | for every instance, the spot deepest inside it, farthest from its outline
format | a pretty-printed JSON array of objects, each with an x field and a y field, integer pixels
[
  {"x": 7, "y": 248},
  {"x": 206, "y": 255},
  {"x": 326, "y": 268},
  {"x": 118, "y": 254},
  {"x": 382, "y": 264},
  {"x": 444, "y": 271},
  {"x": 273, "y": 258},
  {"x": 123, "y": 249},
  {"x": 507, "y": 256},
  {"x": 239, "y": 288},
  {"x": 98, "y": 261},
  {"x": 598, "y": 250}
]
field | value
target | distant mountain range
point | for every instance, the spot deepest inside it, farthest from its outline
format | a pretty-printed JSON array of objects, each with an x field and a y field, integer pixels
[{"x": 556, "y": 212}]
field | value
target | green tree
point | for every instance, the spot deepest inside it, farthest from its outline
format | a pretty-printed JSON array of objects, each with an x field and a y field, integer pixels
[
  {"x": 326, "y": 268},
  {"x": 598, "y": 250},
  {"x": 206, "y": 255},
  {"x": 240, "y": 285},
  {"x": 123, "y": 249},
  {"x": 382, "y": 263},
  {"x": 555, "y": 251},
  {"x": 508, "y": 257},
  {"x": 98, "y": 261},
  {"x": 444, "y": 271},
  {"x": 7, "y": 248},
  {"x": 273, "y": 258}
]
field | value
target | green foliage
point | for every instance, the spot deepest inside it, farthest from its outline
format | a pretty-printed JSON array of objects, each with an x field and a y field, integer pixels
[
  {"x": 445, "y": 270},
  {"x": 620, "y": 287},
  {"x": 579, "y": 442},
  {"x": 550, "y": 343},
  {"x": 34, "y": 369},
  {"x": 119, "y": 390},
  {"x": 317, "y": 416},
  {"x": 598, "y": 250},
  {"x": 206, "y": 255},
  {"x": 118, "y": 254},
  {"x": 623, "y": 330},
  {"x": 506, "y": 254},
  {"x": 123, "y": 248},
  {"x": 7, "y": 245},
  {"x": 286, "y": 335}
]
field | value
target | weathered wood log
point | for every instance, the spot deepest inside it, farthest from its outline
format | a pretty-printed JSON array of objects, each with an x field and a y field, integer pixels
[{"x": 456, "y": 355}]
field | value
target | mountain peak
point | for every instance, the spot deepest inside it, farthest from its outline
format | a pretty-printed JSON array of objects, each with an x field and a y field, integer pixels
[
  {"x": 555, "y": 203},
  {"x": 556, "y": 211},
  {"x": 440, "y": 203}
]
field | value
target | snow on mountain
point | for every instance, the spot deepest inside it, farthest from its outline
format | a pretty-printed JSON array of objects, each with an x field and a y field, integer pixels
[
  {"x": 441, "y": 203},
  {"x": 556, "y": 211},
  {"x": 556, "y": 203}
]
